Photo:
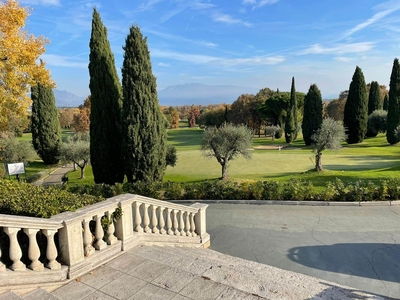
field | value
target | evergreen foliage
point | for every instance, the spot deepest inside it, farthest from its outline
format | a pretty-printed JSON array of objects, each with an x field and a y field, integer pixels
[
  {"x": 376, "y": 123},
  {"x": 105, "y": 114},
  {"x": 386, "y": 102},
  {"x": 144, "y": 134},
  {"x": 393, "y": 116},
  {"x": 312, "y": 118},
  {"x": 291, "y": 118},
  {"x": 374, "y": 99},
  {"x": 356, "y": 109},
  {"x": 46, "y": 130}
]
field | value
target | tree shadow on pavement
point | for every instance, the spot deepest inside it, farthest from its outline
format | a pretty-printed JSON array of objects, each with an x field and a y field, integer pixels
[{"x": 370, "y": 260}]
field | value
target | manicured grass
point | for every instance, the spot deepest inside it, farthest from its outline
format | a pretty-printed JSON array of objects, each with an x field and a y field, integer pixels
[
  {"x": 74, "y": 177},
  {"x": 373, "y": 160}
]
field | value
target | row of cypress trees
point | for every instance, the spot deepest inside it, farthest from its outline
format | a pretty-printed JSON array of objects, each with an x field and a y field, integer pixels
[{"x": 127, "y": 132}]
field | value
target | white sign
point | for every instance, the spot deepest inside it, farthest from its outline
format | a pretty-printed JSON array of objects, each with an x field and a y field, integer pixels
[{"x": 16, "y": 168}]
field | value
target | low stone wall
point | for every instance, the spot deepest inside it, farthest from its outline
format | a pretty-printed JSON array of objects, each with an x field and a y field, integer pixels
[{"x": 35, "y": 251}]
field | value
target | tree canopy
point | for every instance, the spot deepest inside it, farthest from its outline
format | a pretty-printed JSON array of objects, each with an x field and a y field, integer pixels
[
  {"x": 393, "y": 116},
  {"x": 312, "y": 119},
  {"x": 226, "y": 143},
  {"x": 19, "y": 52}
]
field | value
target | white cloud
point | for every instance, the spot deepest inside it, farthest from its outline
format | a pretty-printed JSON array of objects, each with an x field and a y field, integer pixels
[
  {"x": 43, "y": 2},
  {"x": 163, "y": 64},
  {"x": 148, "y": 5},
  {"x": 227, "y": 19},
  {"x": 260, "y": 3},
  {"x": 386, "y": 9},
  {"x": 344, "y": 59},
  {"x": 338, "y": 49},
  {"x": 63, "y": 61},
  {"x": 173, "y": 37},
  {"x": 214, "y": 60}
]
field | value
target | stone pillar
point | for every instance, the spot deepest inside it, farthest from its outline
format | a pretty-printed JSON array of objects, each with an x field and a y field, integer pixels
[
  {"x": 200, "y": 222},
  {"x": 33, "y": 250},
  {"x": 146, "y": 221},
  {"x": 99, "y": 234},
  {"x": 154, "y": 221},
  {"x": 15, "y": 252},
  {"x": 161, "y": 222},
  {"x": 71, "y": 242},
  {"x": 87, "y": 238},
  {"x": 111, "y": 239},
  {"x": 51, "y": 251}
]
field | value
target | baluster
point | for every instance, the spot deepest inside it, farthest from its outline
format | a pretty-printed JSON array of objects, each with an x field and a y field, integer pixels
[
  {"x": 15, "y": 252},
  {"x": 87, "y": 239},
  {"x": 2, "y": 266},
  {"x": 99, "y": 234},
  {"x": 51, "y": 251},
  {"x": 175, "y": 222},
  {"x": 181, "y": 223},
  {"x": 138, "y": 218},
  {"x": 33, "y": 250},
  {"x": 146, "y": 227},
  {"x": 169, "y": 222},
  {"x": 187, "y": 224},
  {"x": 161, "y": 222},
  {"x": 111, "y": 239},
  {"x": 154, "y": 222},
  {"x": 192, "y": 225}
]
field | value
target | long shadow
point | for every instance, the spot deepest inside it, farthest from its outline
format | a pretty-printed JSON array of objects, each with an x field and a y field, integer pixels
[{"x": 370, "y": 260}]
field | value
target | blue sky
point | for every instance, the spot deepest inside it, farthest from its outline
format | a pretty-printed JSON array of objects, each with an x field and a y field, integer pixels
[{"x": 252, "y": 43}]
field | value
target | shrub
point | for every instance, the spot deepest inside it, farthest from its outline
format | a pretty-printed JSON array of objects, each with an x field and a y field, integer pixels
[
  {"x": 173, "y": 190},
  {"x": 28, "y": 200},
  {"x": 376, "y": 123},
  {"x": 297, "y": 190}
]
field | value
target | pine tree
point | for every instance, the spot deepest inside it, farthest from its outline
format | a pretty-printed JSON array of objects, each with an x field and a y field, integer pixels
[
  {"x": 105, "y": 113},
  {"x": 291, "y": 117},
  {"x": 386, "y": 102},
  {"x": 46, "y": 130},
  {"x": 312, "y": 118},
  {"x": 144, "y": 133},
  {"x": 356, "y": 109},
  {"x": 393, "y": 116},
  {"x": 374, "y": 99}
]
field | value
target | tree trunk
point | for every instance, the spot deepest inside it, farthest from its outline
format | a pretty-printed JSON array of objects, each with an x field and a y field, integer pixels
[
  {"x": 82, "y": 172},
  {"x": 318, "y": 162},
  {"x": 224, "y": 171}
]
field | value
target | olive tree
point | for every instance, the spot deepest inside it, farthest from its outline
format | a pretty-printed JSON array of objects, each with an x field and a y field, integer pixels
[
  {"x": 329, "y": 136},
  {"x": 77, "y": 150},
  {"x": 226, "y": 143},
  {"x": 13, "y": 151}
]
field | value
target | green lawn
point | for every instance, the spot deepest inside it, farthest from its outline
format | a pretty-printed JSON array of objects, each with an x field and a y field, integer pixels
[{"x": 374, "y": 160}]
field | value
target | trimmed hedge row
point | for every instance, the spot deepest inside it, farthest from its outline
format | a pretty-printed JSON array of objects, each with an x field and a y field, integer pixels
[
  {"x": 252, "y": 190},
  {"x": 36, "y": 201}
]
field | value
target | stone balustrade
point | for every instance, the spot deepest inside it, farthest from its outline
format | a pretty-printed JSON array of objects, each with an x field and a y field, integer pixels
[{"x": 90, "y": 236}]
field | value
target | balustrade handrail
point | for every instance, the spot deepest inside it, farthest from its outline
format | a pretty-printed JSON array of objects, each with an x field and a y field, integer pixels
[{"x": 29, "y": 222}]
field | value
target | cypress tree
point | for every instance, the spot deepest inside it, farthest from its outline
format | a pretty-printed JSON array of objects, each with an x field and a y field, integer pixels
[
  {"x": 312, "y": 118},
  {"x": 356, "y": 109},
  {"x": 144, "y": 134},
  {"x": 105, "y": 114},
  {"x": 386, "y": 102},
  {"x": 291, "y": 117},
  {"x": 46, "y": 130},
  {"x": 393, "y": 116},
  {"x": 374, "y": 99}
]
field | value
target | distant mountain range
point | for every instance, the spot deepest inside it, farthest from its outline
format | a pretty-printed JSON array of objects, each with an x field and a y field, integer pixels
[
  {"x": 67, "y": 99},
  {"x": 183, "y": 94},
  {"x": 196, "y": 93}
]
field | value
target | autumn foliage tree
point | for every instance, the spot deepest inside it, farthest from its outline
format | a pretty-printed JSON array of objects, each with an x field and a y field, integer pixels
[
  {"x": 81, "y": 121},
  {"x": 194, "y": 114},
  {"x": 19, "y": 52}
]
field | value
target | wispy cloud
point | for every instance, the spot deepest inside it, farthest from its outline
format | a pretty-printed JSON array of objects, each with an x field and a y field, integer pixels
[
  {"x": 228, "y": 19},
  {"x": 42, "y": 2},
  {"x": 385, "y": 8},
  {"x": 338, "y": 49},
  {"x": 214, "y": 60},
  {"x": 63, "y": 61},
  {"x": 148, "y": 5},
  {"x": 344, "y": 59},
  {"x": 163, "y": 64},
  {"x": 177, "y": 38},
  {"x": 259, "y": 3}
]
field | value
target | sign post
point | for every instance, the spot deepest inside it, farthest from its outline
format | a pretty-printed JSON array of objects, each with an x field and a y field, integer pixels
[{"x": 15, "y": 169}]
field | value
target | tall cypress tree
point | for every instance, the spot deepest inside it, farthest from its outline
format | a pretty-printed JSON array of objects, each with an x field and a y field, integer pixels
[
  {"x": 393, "y": 116},
  {"x": 312, "y": 118},
  {"x": 105, "y": 114},
  {"x": 386, "y": 102},
  {"x": 356, "y": 109},
  {"x": 46, "y": 130},
  {"x": 374, "y": 99},
  {"x": 291, "y": 117},
  {"x": 144, "y": 133}
]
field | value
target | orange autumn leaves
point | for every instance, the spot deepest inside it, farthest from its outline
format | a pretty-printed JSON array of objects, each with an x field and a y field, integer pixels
[{"x": 19, "y": 66}]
